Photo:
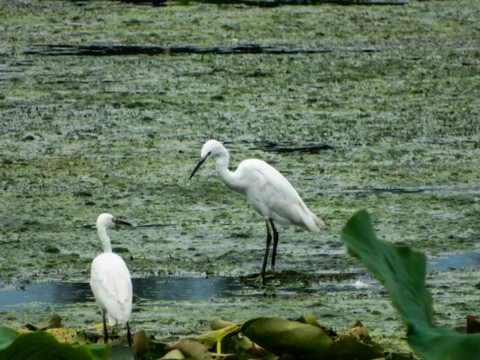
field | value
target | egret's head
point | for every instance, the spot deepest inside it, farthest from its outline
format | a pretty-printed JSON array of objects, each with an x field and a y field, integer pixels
[
  {"x": 210, "y": 148},
  {"x": 106, "y": 220}
]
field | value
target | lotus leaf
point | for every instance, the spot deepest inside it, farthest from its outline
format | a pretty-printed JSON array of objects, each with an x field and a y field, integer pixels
[
  {"x": 402, "y": 271},
  {"x": 281, "y": 336},
  {"x": 41, "y": 345}
]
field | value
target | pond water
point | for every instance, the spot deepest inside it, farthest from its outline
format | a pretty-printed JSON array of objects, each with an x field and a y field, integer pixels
[
  {"x": 193, "y": 288},
  {"x": 455, "y": 261},
  {"x": 174, "y": 288},
  {"x": 152, "y": 288}
]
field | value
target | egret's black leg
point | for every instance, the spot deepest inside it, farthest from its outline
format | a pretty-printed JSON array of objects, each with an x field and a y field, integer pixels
[
  {"x": 275, "y": 243},
  {"x": 269, "y": 240},
  {"x": 129, "y": 335},
  {"x": 105, "y": 331}
]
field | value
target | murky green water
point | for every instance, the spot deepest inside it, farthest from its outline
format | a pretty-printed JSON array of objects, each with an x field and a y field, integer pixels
[{"x": 393, "y": 129}]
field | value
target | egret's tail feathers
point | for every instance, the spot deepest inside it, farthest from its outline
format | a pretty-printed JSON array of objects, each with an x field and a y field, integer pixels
[
  {"x": 317, "y": 224},
  {"x": 119, "y": 315},
  {"x": 111, "y": 320}
]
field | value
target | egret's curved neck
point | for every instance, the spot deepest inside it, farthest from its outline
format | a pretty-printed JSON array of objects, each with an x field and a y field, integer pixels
[
  {"x": 102, "y": 233},
  {"x": 227, "y": 176}
]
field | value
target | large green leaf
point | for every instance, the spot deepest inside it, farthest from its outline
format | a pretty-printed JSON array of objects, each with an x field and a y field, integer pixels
[
  {"x": 7, "y": 336},
  {"x": 191, "y": 349},
  {"x": 40, "y": 345},
  {"x": 214, "y": 337},
  {"x": 444, "y": 344},
  {"x": 402, "y": 271},
  {"x": 281, "y": 336},
  {"x": 348, "y": 347}
]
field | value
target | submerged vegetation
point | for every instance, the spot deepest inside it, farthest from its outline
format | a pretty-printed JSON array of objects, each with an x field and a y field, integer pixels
[{"x": 382, "y": 114}]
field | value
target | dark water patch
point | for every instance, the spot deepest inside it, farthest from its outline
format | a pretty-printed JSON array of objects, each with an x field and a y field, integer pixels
[
  {"x": 292, "y": 278},
  {"x": 471, "y": 189},
  {"x": 290, "y": 282},
  {"x": 89, "y": 226},
  {"x": 186, "y": 288},
  {"x": 35, "y": 296},
  {"x": 384, "y": 190},
  {"x": 288, "y": 148},
  {"x": 175, "y": 288},
  {"x": 455, "y": 261},
  {"x": 123, "y": 50},
  {"x": 262, "y": 3}
]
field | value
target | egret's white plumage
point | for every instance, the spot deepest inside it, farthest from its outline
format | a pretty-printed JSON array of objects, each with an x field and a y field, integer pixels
[
  {"x": 268, "y": 191},
  {"x": 110, "y": 280}
]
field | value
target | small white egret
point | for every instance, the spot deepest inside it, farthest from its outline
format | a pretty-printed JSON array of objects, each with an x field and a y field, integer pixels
[
  {"x": 269, "y": 193},
  {"x": 110, "y": 280}
]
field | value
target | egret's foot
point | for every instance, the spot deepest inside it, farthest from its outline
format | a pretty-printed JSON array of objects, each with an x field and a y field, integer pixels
[
  {"x": 255, "y": 280},
  {"x": 272, "y": 271},
  {"x": 258, "y": 281},
  {"x": 263, "y": 281}
]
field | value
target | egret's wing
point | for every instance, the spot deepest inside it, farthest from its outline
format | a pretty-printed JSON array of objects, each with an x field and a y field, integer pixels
[
  {"x": 272, "y": 195},
  {"x": 112, "y": 286}
]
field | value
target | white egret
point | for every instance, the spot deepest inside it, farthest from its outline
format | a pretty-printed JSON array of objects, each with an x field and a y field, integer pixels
[
  {"x": 268, "y": 191},
  {"x": 110, "y": 280}
]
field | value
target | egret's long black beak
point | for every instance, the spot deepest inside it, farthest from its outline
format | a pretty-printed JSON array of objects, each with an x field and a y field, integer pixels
[
  {"x": 121, "y": 222},
  {"x": 198, "y": 166}
]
